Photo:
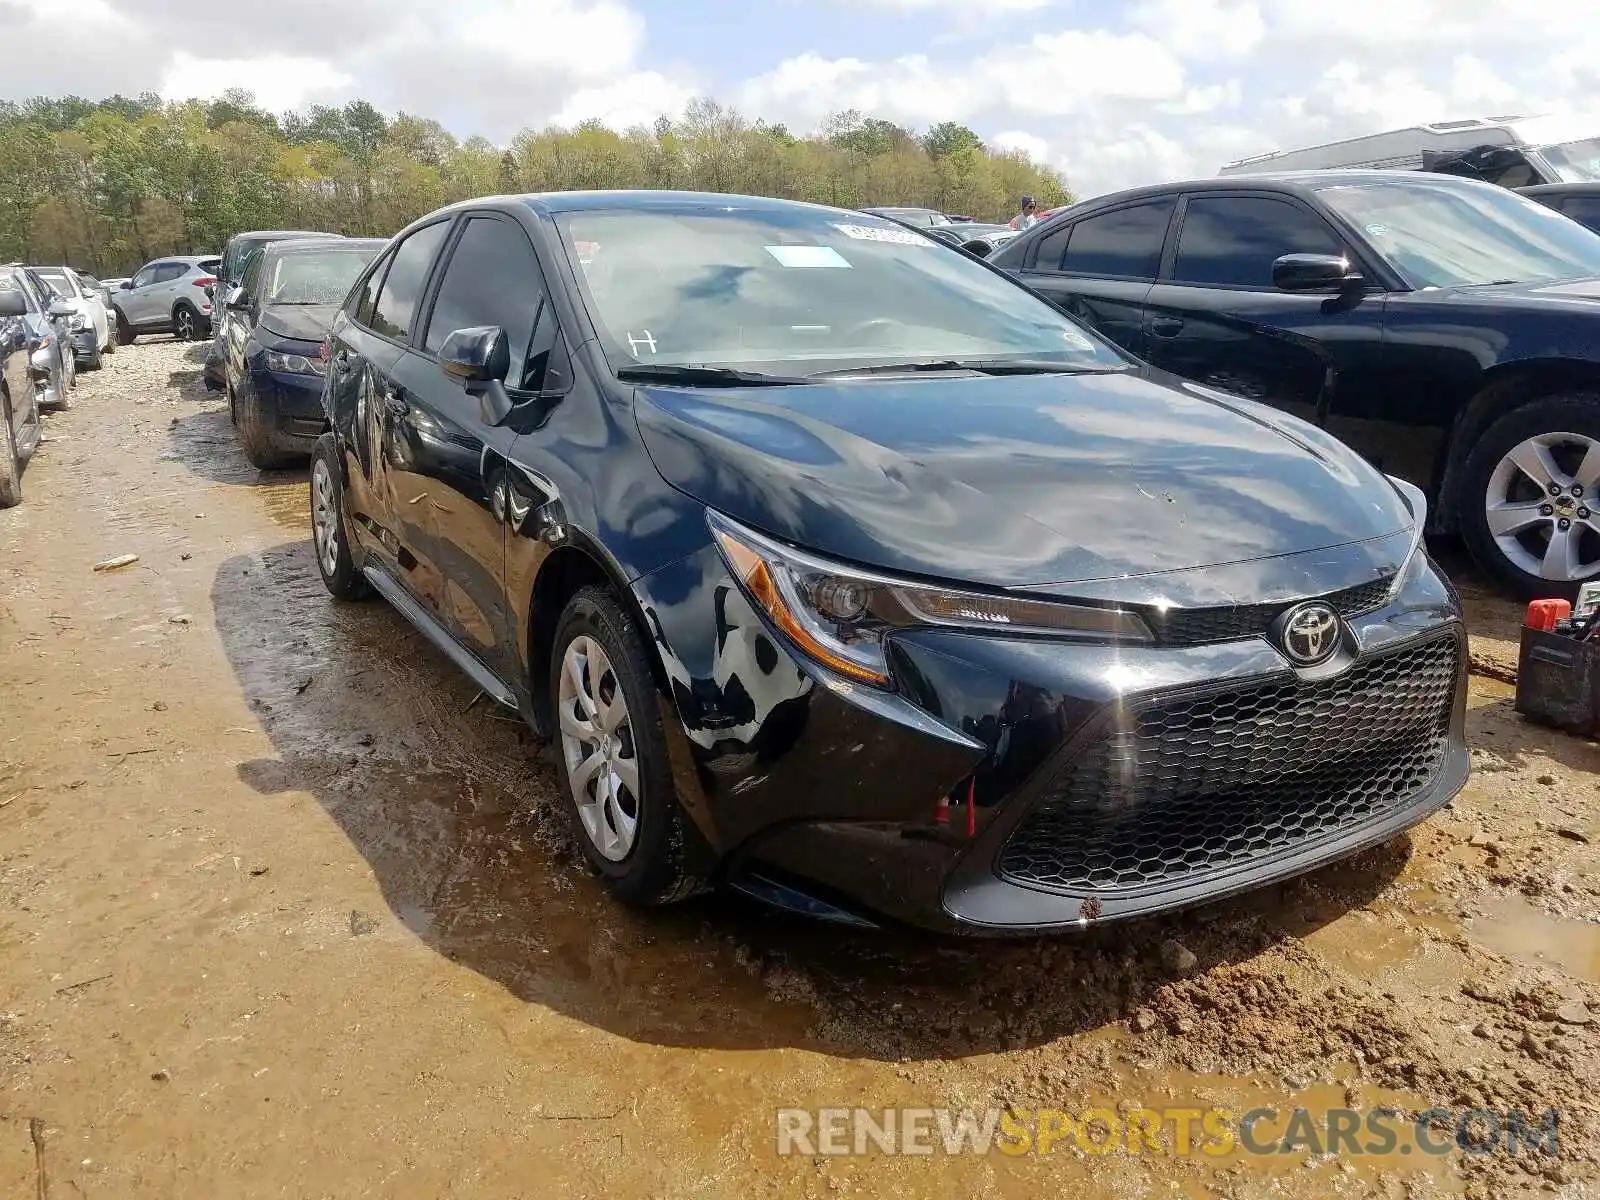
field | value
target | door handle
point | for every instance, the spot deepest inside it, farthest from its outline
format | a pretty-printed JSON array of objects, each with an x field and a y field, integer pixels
[{"x": 1166, "y": 326}]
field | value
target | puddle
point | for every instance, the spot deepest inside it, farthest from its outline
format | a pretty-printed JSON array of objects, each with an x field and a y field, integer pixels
[{"x": 1513, "y": 927}]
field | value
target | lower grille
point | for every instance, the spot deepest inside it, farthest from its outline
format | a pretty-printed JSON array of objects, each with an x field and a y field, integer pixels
[
  {"x": 1198, "y": 626},
  {"x": 1187, "y": 787}
]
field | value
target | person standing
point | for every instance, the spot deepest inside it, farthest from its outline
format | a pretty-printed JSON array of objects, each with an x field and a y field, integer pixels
[{"x": 1028, "y": 217}]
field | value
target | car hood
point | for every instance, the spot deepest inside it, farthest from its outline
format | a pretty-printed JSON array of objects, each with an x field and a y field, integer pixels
[
  {"x": 298, "y": 322},
  {"x": 1020, "y": 481},
  {"x": 1578, "y": 294}
]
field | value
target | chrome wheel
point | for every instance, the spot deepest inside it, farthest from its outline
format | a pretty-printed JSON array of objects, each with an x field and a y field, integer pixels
[
  {"x": 1538, "y": 506},
  {"x": 183, "y": 327},
  {"x": 598, "y": 745},
  {"x": 324, "y": 517}
]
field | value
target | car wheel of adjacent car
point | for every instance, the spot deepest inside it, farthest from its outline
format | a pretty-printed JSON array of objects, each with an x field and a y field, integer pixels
[
  {"x": 1526, "y": 493},
  {"x": 185, "y": 323},
  {"x": 329, "y": 537},
  {"x": 125, "y": 333},
  {"x": 10, "y": 463},
  {"x": 255, "y": 435},
  {"x": 94, "y": 361},
  {"x": 613, "y": 754}
]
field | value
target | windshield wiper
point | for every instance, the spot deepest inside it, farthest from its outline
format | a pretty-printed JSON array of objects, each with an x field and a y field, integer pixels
[
  {"x": 702, "y": 376},
  {"x": 985, "y": 366}
]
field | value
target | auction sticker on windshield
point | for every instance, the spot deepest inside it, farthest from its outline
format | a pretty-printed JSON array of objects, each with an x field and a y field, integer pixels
[
  {"x": 807, "y": 256},
  {"x": 883, "y": 233}
]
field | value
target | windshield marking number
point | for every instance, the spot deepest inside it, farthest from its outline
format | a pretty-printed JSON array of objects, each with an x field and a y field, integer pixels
[{"x": 644, "y": 339}]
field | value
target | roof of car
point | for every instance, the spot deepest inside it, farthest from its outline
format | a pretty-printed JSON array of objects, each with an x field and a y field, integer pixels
[
  {"x": 306, "y": 244},
  {"x": 556, "y": 202},
  {"x": 285, "y": 233},
  {"x": 1279, "y": 179}
]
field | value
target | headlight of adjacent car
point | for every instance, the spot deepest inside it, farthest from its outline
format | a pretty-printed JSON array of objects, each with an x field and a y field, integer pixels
[
  {"x": 840, "y": 615},
  {"x": 292, "y": 364},
  {"x": 1416, "y": 556},
  {"x": 75, "y": 321}
]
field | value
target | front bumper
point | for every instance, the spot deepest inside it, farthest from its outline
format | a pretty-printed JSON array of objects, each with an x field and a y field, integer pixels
[
  {"x": 1105, "y": 782},
  {"x": 291, "y": 405},
  {"x": 85, "y": 341}
]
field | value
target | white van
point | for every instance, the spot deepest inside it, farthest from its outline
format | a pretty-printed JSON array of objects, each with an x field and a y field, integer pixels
[{"x": 1510, "y": 151}]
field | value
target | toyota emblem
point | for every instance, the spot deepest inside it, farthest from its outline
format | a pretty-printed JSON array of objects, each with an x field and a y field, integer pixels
[{"x": 1309, "y": 633}]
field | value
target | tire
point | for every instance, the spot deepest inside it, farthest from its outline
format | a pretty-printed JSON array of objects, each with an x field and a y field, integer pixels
[
  {"x": 656, "y": 865},
  {"x": 256, "y": 437},
  {"x": 125, "y": 332},
  {"x": 95, "y": 360},
  {"x": 185, "y": 323},
  {"x": 1564, "y": 427},
  {"x": 338, "y": 569},
  {"x": 10, "y": 463}
]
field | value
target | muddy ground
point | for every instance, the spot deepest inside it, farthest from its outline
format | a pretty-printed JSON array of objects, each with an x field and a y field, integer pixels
[{"x": 283, "y": 914}]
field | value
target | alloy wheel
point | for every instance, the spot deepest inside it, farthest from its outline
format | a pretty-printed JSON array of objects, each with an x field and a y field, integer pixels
[
  {"x": 184, "y": 326},
  {"x": 324, "y": 517},
  {"x": 598, "y": 745},
  {"x": 1538, "y": 506}
]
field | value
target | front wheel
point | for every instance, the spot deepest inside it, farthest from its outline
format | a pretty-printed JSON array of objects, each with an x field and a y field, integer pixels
[
  {"x": 329, "y": 532},
  {"x": 125, "y": 333},
  {"x": 613, "y": 755},
  {"x": 1530, "y": 496}
]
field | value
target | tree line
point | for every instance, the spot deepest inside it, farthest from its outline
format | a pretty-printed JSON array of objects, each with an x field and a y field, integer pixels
[{"x": 107, "y": 185}]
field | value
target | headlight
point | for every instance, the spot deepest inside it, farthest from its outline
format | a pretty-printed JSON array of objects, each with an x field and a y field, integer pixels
[
  {"x": 292, "y": 364},
  {"x": 1417, "y": 501},
  {"x": 75, "y": 321},
  {"x": 841, "y": 616}
]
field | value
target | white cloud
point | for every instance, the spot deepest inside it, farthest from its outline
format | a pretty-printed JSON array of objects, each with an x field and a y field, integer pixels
[
  {"x": 1202, "y": 29},
  {"x": 637, "y": 99},
  {"x": 279, "y": 81},
  {"x": 1019, "y": 141}
]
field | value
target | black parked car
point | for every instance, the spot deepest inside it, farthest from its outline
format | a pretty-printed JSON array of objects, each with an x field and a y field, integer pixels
[
  {"x": 1580, "y": 201},
  {"x": 1448, "y": 329},
  {"x": 841, "y": 567},
  {"x": 275, "y": 358},
  {"x": 20, "y": 424},
  {"x": 239, "y": 248}
]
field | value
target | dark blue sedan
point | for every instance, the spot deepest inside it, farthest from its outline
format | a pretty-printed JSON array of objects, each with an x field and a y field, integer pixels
[{"x": 275, "y": 358}]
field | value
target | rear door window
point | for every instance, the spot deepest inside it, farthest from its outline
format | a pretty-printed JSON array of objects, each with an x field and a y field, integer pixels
[
  {"x": 1232, "y": 241},
  {"x": 1126, "y": 242},
  {"x": 396, "y": 307},
  {"x": 1585, "y": 210}
]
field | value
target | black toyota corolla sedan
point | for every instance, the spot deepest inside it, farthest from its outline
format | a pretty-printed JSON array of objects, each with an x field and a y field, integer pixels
[{"x": 844, "y": 570}]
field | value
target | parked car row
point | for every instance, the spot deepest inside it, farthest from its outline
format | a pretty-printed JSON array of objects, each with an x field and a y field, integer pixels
[{"x": 38, "y": 366}]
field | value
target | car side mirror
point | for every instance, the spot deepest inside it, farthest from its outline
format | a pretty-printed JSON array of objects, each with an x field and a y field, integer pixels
[
  {"x": 480, "y": 357},
  {"x": 12, "y": 304},
  {"x": 238, "y": 300},
  {"x": 60, "y": 308},
  {"x": 125, "y": 286},
  {"x": 210, "y": 290},
  {"x": 1315, "y": 273}
]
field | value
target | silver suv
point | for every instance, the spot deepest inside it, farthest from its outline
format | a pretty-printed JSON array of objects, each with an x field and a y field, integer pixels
[{"x": 168, "y": 295}]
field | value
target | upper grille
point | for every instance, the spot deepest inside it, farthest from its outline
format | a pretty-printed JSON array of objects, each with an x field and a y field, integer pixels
[
  {"x": 1198, "y": 626},
  {"x": 1190, "y": 786}
]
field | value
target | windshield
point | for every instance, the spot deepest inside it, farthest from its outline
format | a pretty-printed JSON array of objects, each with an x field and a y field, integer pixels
[
  {"x": 1574, "y": 162},
  {"x": 1452, "y": 234},
  {"x": 315, "y": 277},
  {"x": 773, "y": 286}
]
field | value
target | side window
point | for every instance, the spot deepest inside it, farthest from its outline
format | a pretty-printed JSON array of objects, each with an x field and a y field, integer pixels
[
  {"x": 250, "y": 276},
  {"x": 1052, "y": 249},
  {"x": 367, "y": 298},
  {"x": 1585, "y": 210},
  {"x": 408, "y": 275},
  {"x": 1125, "y": 242},
  {"x": 1233, "y": 240},
  {"x": 167, "y": 272},
  {"x": 145, "y": 277},
  {"x": 493, "y": 279}
]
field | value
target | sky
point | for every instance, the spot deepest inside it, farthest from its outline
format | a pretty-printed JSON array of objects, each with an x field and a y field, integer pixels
[{"x": 1112, "y": 94}]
